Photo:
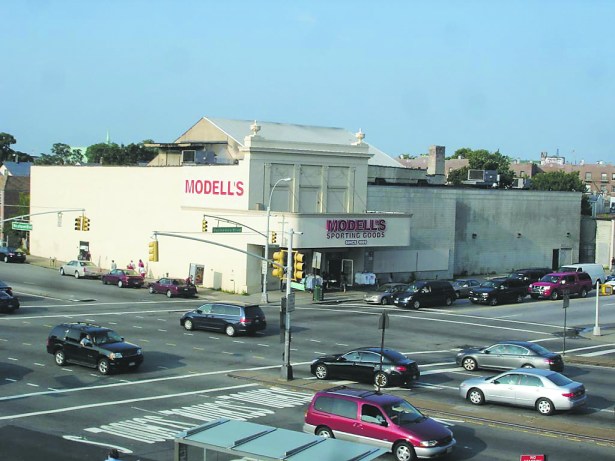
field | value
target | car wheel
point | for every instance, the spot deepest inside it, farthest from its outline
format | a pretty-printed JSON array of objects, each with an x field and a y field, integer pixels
[
  {"x": 583, "y": 293},
  {"x": 151, "y": 290},
  {"x": 554, "y": 296},
  {"x": 458, "y": 294},
  {"x": 321, "y": 371},
  {"x": 104, "y": 281},
  {"x": 545, "y": 407},
  {"x": 76, "y": 274},
  {"x": 120, "y": 284},
  {"x": 6, "y": 259},
  {"x": 403, "y": 451},
  {"x": 381, "y": 379},
  {"x": 528, "y": 365},
  {"x": 324, "y": 431},
  {"x": 188, "y": 325},
  {"x": 493, "y": 301},
  {"x": 416, "y": 304},
  {"x": 169, "y": 294},
  {"x": 469, "y": 364},
  {"x": 384, "y": 301},
  {"x": 476, "y": 396},
  {"x": 103, "y": 367},
  {"x": 230, "y": 330},
  {"x": 520, "y": 298},
  {"x": 60, "y": 357},
  {"x": 448, "y": 301},
  {"x": 61, "y": 271}
]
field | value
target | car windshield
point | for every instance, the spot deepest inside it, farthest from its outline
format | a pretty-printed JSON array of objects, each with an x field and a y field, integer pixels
[
  {"x": 559, "y": 379},
  {"x": 401, "y": 412},
  {"x": 107, "y": 337},
  {"x": 490, "y": 284},
  {"x": 394, "y": 356},
  {"x": 4, "y": 295},
  {"x": 415, "y": 287},
  {"x": 130, "y": 272},
  {"x": 384, "y": 288},
  {"x": 178, "y": 282},
  {"x": 550, "y": 278},
  {"x": 87, "y": 263}
]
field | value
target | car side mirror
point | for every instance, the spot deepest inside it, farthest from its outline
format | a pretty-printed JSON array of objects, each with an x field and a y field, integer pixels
[
  {"x": 341, "y": 359},
  {"x": 198, "y": 311},
  {"x": 384, "y": 424},
  {"x": 487, "y": 352}
]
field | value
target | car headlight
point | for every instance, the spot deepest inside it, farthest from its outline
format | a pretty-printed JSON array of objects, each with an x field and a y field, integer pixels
[
  {"x": 428, "y": 443},
  {"x": 485, "y": 295},
  {"x": 139, "y": 352},
  {"x": 115, "y": 355}
]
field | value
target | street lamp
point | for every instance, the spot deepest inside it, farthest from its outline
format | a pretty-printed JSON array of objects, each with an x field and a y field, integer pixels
[{"x": 264, "y": 297}]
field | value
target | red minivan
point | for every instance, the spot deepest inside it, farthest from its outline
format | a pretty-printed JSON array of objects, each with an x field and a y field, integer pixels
[{"x": 382, "y": 420}]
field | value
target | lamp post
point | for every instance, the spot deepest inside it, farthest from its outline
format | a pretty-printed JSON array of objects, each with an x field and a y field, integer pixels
[{"x": 264, "y": 297}]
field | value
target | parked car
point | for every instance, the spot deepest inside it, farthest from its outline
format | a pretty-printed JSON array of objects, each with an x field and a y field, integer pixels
[
  {"x": 12, "y": 255},
  {"x": 544, "y": 390},
  {"x": 462, "y": 287},
  {"x": 123, "y": 278},
  {"x": 80, "y": 269},
  {"x": 498, "y": 291},
  {"x": 173, "y": 287},
  {"x": 227, "y": 316},
  {"x": 510, "y": 354},
  {"x": 363, "y": 364},
  {"x": 8, "y": 303},
  {"x": 533, "y": 274},
  {"x": 92, "y": 346},
  {"x": 378, "y": 419},
  {"x": 426, "y": 293},
  {"x": 384, "y": 293},
  {"x": 555, "y": 285},
  {"x": 6, "y": 288},
  {"x": 595, "y": 271}
]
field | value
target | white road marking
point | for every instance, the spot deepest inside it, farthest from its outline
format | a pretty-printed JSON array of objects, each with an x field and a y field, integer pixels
[
  {"x": 589, "y": 347},
  {"x": 594, "y": 354},
  {"x": 441, "y": 370},
  {"x": 76, "y": 438},
  {"x": 424, "y": 365},
  {"x": 263, "y": 345},
  {"x": 39, "y": 364}
]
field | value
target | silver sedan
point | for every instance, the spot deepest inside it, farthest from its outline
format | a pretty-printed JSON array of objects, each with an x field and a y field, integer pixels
[
  {"x": 546, "y": 391},
  {"x": 462, "y": 287},
  {"x": 384, "y": 293},
  {"x": 80, "y": 269}
]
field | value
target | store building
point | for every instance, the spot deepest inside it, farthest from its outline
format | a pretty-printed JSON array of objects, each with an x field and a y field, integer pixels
[{"x": 351, "y": 207}]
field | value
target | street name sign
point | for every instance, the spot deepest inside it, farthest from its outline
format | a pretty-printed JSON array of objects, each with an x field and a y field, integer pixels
[
  {"x": 21, "y": 225},
  {"x": 225, "y": 230}
]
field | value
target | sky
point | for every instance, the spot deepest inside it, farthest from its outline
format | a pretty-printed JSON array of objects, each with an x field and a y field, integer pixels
[{"x": 522, "y": 77}]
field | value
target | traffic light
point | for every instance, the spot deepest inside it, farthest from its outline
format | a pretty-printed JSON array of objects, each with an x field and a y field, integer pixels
[
  {"x": 204, "y": 225},
  {"x": 298, "y": 265},
  {"x": 153, "y": 251},
  {"x": 85, "y": 225},
  {"x": 278, "y": 267},
  {"x": 78, "y": 223},
  {"x": 274, "y": 237}
]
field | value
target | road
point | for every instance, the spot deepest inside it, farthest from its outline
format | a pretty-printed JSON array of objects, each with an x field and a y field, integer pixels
[{"x": 189, "y": 378}]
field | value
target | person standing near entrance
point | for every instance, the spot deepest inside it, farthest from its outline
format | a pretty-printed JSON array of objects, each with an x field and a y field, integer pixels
[
  {"x": 141, "y": 268},
  {"x": 113, "y": 265}
]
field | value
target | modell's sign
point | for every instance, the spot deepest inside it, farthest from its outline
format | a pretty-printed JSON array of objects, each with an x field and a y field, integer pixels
[
  {"x": 213, "y": 187},
  {"x": 356, "y": 228}
]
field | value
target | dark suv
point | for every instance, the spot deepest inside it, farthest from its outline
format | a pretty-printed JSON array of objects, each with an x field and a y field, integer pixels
[
  {"x": 227, "y": 316},
  {"x": 426, "y": 293},
  {"x": 530, "y": 275},
  {"x": 92, "y": 346},
  {"x": 499, "y": 290}
]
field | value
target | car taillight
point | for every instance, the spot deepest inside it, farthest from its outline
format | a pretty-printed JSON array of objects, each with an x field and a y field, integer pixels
[
  {"x": 401, "y": 368},
  {"x": 568, "y": 394},
  {"x": 242, "y": 320},
  {"x": 550, "y": 361}
]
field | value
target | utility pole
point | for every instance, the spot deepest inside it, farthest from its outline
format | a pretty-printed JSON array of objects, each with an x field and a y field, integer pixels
[{"x": 287, "y": 369}]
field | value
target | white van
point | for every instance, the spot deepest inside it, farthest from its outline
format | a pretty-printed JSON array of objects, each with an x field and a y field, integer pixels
[{"x": 595, "y": 271}]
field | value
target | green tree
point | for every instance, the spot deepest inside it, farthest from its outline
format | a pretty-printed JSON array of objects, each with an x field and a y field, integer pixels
[
  {"x": 565, "y": 182},
  {"x": 61, "y": 154},
  {"x": 482, "y": 160},
  {"x": 8, "y": 154},
  {"x": 114, "y": 154}
]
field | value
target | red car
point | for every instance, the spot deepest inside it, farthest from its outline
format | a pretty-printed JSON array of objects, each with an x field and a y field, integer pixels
[
  {"x": 123, "y": 278},
  {"x": 172, "y": 287}
]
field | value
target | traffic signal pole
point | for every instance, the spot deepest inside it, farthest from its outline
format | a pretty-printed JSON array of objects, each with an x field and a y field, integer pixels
[{"x": 287, "y": 369}]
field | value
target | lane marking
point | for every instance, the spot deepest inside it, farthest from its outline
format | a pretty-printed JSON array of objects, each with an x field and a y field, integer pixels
[
  {"x": 595, "y": 354},
  {"x": 589, "y": 347}
]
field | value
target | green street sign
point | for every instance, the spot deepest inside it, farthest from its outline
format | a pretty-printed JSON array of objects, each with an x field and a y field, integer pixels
[
  {"x": 225, "y": 230},
  {"x": 21, "y": 225}
]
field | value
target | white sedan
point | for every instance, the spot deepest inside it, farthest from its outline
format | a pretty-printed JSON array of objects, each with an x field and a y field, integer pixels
[{"x": 80, "y": 269}]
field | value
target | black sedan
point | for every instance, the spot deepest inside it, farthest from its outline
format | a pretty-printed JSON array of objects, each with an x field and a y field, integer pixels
[
  {"x": 510, "y": 355},
  {"x": 6, "y": 288},
  {"x": 363, "y": 364},
  {"x": 499, "y": 291},
  {"x": 8, "y": 303}
]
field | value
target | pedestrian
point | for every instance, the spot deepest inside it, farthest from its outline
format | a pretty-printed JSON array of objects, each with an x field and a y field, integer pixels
[
  {"x": 613, "y": 263},
  {"x": 114, "y": 455},
  {"x": 390, "y": 279},
  {"x": 343, "y": 281},
  {"x": 113, "y": 265},
  {"x": 131, "y": 265},
  {"x": 141, "y": 268}
]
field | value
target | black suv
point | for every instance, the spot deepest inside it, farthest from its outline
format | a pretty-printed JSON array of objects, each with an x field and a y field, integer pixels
[
  {"x": 531, "y": 275},
  {"x": 426, "y": 293},
  {"x": 92, "y": 346},
  {"x": 499, "y": 290},
  {"x": 227, "y": 316}
]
